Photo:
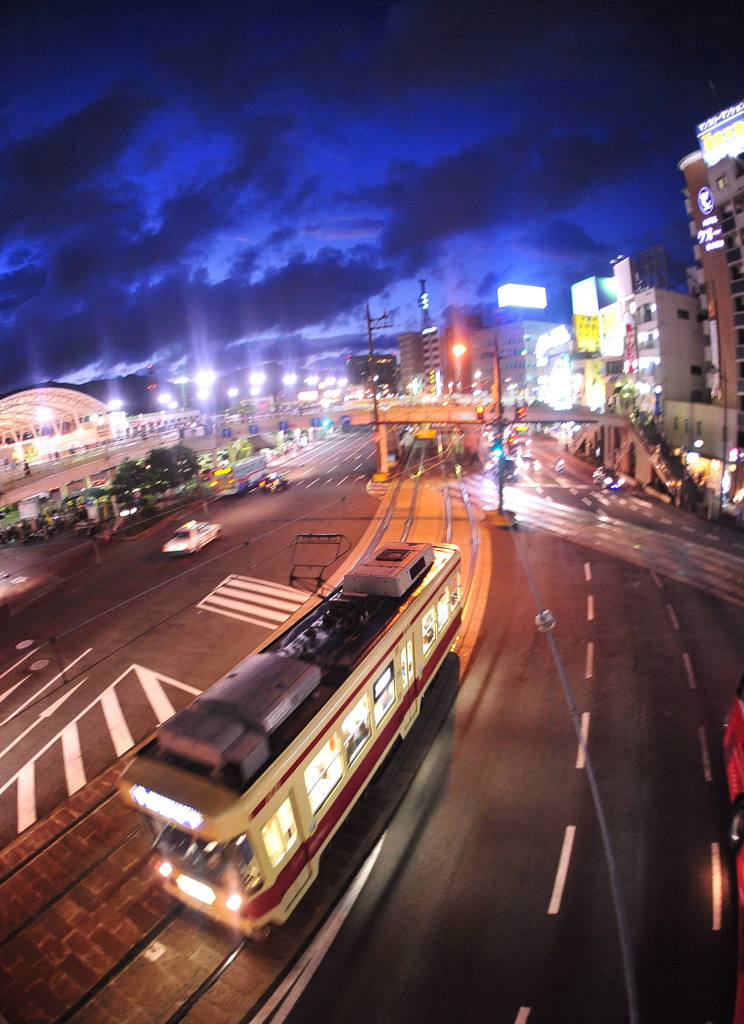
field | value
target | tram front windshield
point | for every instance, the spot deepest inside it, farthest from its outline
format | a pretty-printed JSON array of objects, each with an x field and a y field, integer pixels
[{"x": 205, "y": 859}]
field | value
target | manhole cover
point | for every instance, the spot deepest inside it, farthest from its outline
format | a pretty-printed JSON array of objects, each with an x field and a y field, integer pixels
[
  {"x": 23, "y": 645},
  {"x": 39, "y": 665}
]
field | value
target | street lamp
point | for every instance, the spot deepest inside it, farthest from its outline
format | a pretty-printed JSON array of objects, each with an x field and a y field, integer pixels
[
  {"x": 458, "y": 351},
  {"x": 376, "y": 324},
  {"x": 182, "y": 382}
]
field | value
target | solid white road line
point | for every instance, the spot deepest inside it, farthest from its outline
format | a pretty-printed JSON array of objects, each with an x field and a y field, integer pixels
[
  {"x": 17, "y": 663},
  {"x": 46, "y": 686},
  {"x": 117, "y": 726},
  {"x": 581, "y": 755},
  {"x": 72, "y": 757},
  {"x": 673, "y": 618},
  {"x": 26, "y": 796},
  {"x": 290, "y": 990},
  {"x": 717, "y": 887},
  {"x": 589, "y": 668},
  {"x": 560, "y": 878},
  {"x": 156, "y": 695}
]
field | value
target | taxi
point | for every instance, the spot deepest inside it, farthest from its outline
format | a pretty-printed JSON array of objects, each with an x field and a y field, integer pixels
[{"x": 191, "y": 536}]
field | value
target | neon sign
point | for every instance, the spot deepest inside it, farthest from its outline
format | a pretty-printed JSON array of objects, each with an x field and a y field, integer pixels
[
  {"x": 722, "y": 135},
  {"x": 166, "y": 808},
  {"x": 709, "y": 234}
]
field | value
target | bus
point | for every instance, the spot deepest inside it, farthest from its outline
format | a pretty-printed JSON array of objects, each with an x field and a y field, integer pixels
[
  {"x": 241, "y": 477},
  {"x": 239, "y": 793},
  {"x": 733, "y": 756}
]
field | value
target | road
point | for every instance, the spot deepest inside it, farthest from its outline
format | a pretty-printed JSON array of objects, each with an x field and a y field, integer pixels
[
  {"x": 490, "y": 898},
  {"x": 94, "y": 666}
]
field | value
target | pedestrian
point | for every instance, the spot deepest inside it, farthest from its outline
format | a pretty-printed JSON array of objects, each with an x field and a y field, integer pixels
[{"x": 26, "y": 469}]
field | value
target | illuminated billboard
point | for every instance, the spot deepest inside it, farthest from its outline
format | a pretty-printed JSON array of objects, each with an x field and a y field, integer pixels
[
  {"x": 722, "y": 135},
  {"x": 611, "y": 336},
  {"x": 586, "y": 332},
  {"x": 524, "y": 295},
  {"x": 588, "y": 296}
]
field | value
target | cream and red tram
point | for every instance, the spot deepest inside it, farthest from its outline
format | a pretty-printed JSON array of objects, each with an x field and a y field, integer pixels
[{"x": 240, "y": 792}]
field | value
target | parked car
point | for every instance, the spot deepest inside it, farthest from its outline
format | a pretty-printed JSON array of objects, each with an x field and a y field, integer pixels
[
  {"x": 608, "y": 479},
  {"x": 274, "y": 482},
  {"x": 192, "y": 536}
]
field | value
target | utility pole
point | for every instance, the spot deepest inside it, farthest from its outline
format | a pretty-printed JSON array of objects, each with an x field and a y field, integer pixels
[
  {"x": 499, "y": 517},
  {"x": 379, "y": 436}
]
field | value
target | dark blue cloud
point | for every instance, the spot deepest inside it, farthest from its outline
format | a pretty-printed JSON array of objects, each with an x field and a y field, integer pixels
[{"x": 191, "y": 183}]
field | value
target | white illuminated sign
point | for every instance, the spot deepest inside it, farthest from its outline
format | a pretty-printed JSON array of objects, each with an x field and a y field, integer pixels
[
  {"x": 524, "y": 295},
  {"x": 709, "y": 234},
  {"x": 722, "y": 135},
  {"x": 166, "y": 808}
]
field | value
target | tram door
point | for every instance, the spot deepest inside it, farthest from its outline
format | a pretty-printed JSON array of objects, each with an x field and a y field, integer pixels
[{"x": 408, "y": 684}]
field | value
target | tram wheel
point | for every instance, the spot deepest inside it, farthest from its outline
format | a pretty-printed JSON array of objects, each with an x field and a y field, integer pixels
[{"x": 736, "y": 828}]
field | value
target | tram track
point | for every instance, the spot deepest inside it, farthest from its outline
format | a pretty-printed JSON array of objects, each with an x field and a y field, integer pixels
[{"x": 161, "y": 951}]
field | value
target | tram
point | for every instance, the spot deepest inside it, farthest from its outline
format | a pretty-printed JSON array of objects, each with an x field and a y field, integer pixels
[{"x": 240, "y": 792}]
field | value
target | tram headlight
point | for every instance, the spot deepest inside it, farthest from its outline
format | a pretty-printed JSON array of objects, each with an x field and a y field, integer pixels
[
  {"x": 198, "y": 890},
  {"x": 165, "y": 869},
  {"x": 234, "y": 902}
]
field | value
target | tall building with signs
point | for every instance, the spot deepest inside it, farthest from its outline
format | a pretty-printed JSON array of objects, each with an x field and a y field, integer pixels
[
  {"x": 714, "y": 200},
  {"x": 420, "y": 353}
]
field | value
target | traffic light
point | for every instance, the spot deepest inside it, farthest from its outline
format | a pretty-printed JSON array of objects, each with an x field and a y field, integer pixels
[
  {"x": 479, "y": 412},
  {"x": 497, "y": 446}
]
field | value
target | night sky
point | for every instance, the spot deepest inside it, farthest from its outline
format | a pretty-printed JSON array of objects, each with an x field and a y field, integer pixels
[{"x": 214, "y": 185}]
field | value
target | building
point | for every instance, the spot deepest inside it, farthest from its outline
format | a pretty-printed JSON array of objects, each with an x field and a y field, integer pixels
[
  {"x": 358, "y": 371},
  {"x": 420, "y": 361},
  {"x": 714, "y": 201}
]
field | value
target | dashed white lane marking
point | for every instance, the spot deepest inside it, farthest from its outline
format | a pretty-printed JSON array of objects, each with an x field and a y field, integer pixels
[
  {"x": 563, "y": 863},
  {"x": 589, "y": 667},
  {"x": 688, "y": 670},
  {"x": 705, "y": 755},
  {"x": 587, "y": 572},
  {"x": 716, "y": 885},
  {"x": 581, "y": 755},
  {"x": 590, "y": 608},
  {"x": 673, "y": 618}
]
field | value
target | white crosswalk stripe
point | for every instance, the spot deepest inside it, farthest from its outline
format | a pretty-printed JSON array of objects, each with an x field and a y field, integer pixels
[{"x": 252, "y": 600}]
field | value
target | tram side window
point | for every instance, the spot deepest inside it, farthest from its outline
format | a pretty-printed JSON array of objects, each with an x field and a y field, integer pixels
[
  {"x": 279, "y": 833},
  {"x": 443, "y": 606},
  {"x": 454, "y": 589},
  {"x": 384, "y": 693},
  {"x": 323, "y": 773},
  {"x": 355, "y": 729},
  {"x": 428, "y": 629}
]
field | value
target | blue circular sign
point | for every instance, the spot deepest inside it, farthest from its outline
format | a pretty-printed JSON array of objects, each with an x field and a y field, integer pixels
[{"x": 706, "y": 200}]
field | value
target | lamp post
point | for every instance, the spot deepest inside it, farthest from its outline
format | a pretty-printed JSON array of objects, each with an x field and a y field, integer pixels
[
  {"x": 458, "y": 351},
  {"x": 380, "y": 436}
]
